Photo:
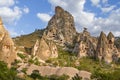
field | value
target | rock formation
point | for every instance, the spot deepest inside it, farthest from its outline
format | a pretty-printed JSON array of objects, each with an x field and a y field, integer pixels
[
  {"x": 106, "y": 49},
  {"x": 45, "y": 49},
  {"x": 59, "y": 71},
  {"x": 61, "y": 32},
  {"x": 7, "y": 49},
  {"x": 85, "y": 46},
  {"x": 61, "y": 27}
]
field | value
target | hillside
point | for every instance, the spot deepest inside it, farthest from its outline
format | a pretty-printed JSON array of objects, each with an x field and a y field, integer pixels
[{"x": 28, "y": 40}]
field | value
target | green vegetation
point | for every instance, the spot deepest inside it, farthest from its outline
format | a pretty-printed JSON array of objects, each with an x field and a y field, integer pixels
[
  {"x": 6, "y": 73},
  {"x": 22, "y": 56},
  {"x": 11, "y": 74},
  {"x": 29, "y": 39},
  {"x": 76, "y": 77},
  {"x": 99, "y": 74},
  {"x": 65, "y": 58}
]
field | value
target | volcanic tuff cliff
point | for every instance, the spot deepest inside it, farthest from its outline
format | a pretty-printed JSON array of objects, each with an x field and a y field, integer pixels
[
  {"x": 61, "y": 32},
  {"x": 61, "y": 27},
  {"x": 7, "y": 49},
  {"x": 106, "y": 50}
]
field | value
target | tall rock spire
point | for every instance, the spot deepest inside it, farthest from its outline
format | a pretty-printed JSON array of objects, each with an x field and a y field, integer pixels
[{"x": 61, "y": 27}]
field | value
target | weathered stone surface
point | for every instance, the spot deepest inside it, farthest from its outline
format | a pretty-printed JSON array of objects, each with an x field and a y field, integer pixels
[
  {"x": 61, "y": 27},
  {"x": 59, "y": 71},
  {"x": 7, "y": 49},
  {"x": 106, "y": 50},
  {"x": 45, "y": 49},
  {"x": 85, "y": 46}
]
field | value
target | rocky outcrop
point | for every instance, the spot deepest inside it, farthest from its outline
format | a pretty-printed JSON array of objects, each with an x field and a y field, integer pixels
[
  {"x": 60, "y": 31},
  {"x": 85, "y": 46},
  {"x": 59, "y": 71},
  {"x": 106, "y": 49},
  {"x": 61, "y": 27},
  {"x": 45, "y": 49},
  {"x": 7, "y": 49}
]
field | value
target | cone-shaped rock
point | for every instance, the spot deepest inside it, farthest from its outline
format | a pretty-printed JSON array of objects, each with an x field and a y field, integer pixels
[
  {"x": 111, "y": 39},
  {"x": 106, "y": 49},
  {"x": 7, "y": 49},
  {"x": 102, "y": 46},
  {"x": 45, "y": 49}
]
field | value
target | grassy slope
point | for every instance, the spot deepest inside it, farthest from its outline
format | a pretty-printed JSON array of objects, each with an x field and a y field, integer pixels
[{"x": 28, "y": 40}]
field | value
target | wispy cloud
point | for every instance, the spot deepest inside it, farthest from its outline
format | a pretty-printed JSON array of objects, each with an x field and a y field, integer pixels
[
  {"x": 44, "y": 17},
  {"x": 9, "y": 12}
]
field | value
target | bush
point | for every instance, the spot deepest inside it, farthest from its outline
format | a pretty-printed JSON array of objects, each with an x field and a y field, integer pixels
[
  {"x": 102, "y": 75},
  {"x": 54, "y": 77},
  {"x": 7, "y": 74},
  {"x": 22, "y": 56},
  {"x": 36, "y": 75}
]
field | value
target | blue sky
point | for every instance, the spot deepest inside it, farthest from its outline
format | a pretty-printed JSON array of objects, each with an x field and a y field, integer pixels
[{"x": 24, "y": 16}]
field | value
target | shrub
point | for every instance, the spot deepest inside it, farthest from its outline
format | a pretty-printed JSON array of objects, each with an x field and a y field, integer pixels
[
  {"x": 6, "y": 73},
  {"x": 22, "y": 56}
]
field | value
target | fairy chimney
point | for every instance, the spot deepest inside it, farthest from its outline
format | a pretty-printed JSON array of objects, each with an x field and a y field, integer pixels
[{"x": 7, "y": 49}]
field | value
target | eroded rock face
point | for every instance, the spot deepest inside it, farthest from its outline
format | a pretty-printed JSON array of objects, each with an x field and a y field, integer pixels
[
  {"x": 59, "y": 71},
  {"x": 106, "y": 50},
  {"x": 7, "y": 49},
  {"x": 45, "y": 49},
  {"x": 85, "y": 46},
  {"x": 61, "y": 27}
]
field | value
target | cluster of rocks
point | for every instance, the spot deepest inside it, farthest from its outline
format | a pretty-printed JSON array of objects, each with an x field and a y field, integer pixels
[
  {"x": 61, "y": 31},
  {"x": 84, "y": 45}
]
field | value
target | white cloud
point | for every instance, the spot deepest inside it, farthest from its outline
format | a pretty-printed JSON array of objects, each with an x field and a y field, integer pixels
[
  {"x": 88, "y": 19},
  {"x": 95, "y": 2},
  {"x": 11, "y": 13},
  {"x": 44, "y": 17},
  {"x": 14, "y": 33},
  {"x": 107, "y": 9},
  {"x": 7, "y": 2},
  {"x": 26, "y": 10},
  {"x": 104, "y": 1},
  {"x": 82, "y": 18}
]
